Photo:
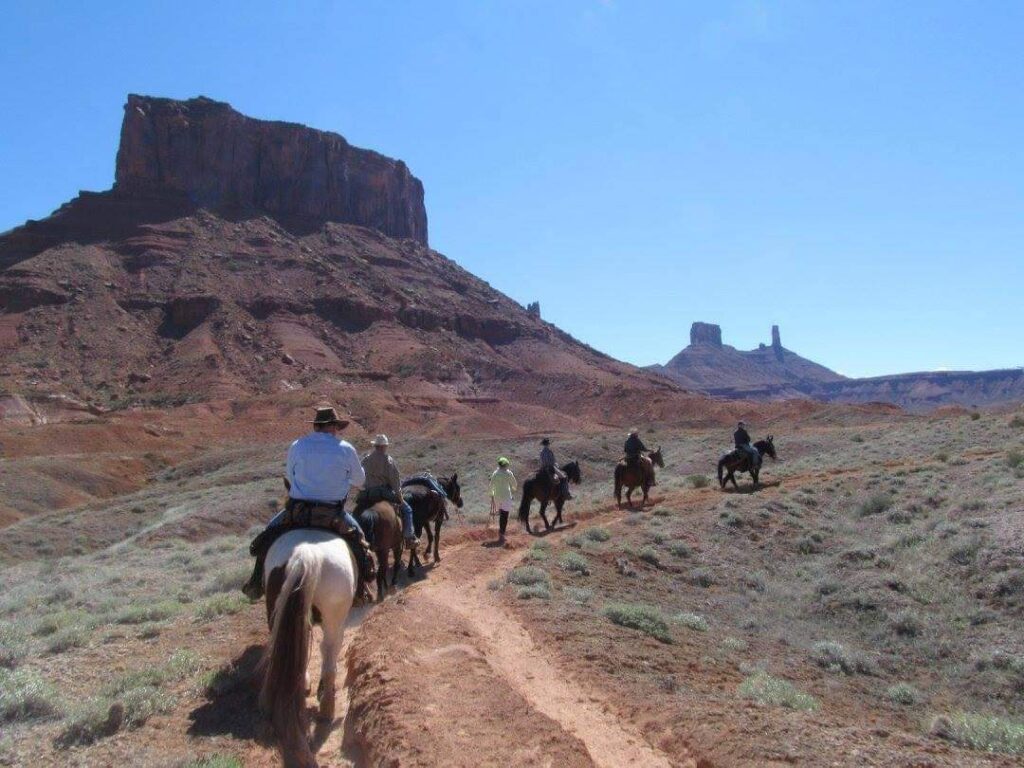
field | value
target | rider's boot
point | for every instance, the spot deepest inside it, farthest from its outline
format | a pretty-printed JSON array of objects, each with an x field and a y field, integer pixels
[
  {"x": 253, "y": 588},
  {"x": 407, "y": 527},
  {"x": 361, "y": 550}
]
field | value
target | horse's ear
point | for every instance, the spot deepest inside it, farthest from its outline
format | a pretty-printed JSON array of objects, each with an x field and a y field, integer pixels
[{"x": 455, "y": 477}]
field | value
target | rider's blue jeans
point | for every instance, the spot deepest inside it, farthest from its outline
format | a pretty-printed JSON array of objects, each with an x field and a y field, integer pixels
[{"x": 407, "y": 530}]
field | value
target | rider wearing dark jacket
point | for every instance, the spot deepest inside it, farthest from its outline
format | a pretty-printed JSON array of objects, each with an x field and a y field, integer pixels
[
  {"x": 741, "y": 436},
  {"x": 634, "y": 446}
]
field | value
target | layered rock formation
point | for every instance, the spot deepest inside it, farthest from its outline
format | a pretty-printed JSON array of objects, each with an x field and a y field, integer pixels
[
  {"x": 238, "y": 257},
  {"x": 774, "y": 373},
  {"x": 223, "y": 160}
]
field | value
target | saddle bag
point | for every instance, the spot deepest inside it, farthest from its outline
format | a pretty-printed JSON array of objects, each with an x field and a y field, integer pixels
[{"x": 305, "y": 514}]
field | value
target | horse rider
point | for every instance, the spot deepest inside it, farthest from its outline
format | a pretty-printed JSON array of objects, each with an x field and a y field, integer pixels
[
  {"x": 503, "y": 486},
  {"x": 742, "y": 439},
  {"x": 550, "y": 467},
  {"x": 321, "y": 469},
  {"x": 384, "y": 483},
  {"x": 634, "y": 450}
]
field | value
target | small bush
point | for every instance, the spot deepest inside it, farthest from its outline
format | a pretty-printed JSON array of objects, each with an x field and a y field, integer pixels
[
  {"x": 220, "y": 605},
  {"x": 24, "y": 695},
  {"x": 1015, "y": 459},
  {"x": 701, "y": 577},
  {"x": 650, "y": 555},
  {"x": 836, "y": 658},
  {"x": 534, "y": 592},
  {"x": 765, "y": 689},
  {"x": 975, "y": 416},
  {"x": 597, "y": 534},
  {"x": 578, "y": 595},
  {"x": 537, "y": 554},
  {"x": 65, "y": 640},
  {"x": 13, "y": 646},
  {"x": 698, "y": 481},
  {"x": 645, "y": 618},
  {"x": 812, "y": 544},
  {"x": 1017, "y": 422},
  {"x": 903, "y": 693},
  {"x": 142, "y": 703},
  {"x": 230, "y": 580},
  {"x": 55, "y": 622},
  {"x": 527, "y": 576},
  {"x": 680, "y": 549},
  {"x": 907, "y": 624},
  {"x": 875, "y": 504},
  {"x": 216, "y": 761},
  {"x": 182, "y": 663},
  {"x": 140, "y": 614},
  {"x": 574, "y": 563},
  {"x": 692, "y": 621},
  {"x": 735, "y": 644},
  {"x": 982, "y": 732},
  {"x": 92, "y": 721}
]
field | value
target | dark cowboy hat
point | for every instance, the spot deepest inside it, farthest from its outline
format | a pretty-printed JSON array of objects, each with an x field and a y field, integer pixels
[
  {"x": 327, "y": 415},
  {"x": 545, "y": 441}
]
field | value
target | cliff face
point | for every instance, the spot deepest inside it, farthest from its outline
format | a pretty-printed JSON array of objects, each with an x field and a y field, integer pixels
[{"x": 223, "y": 160}]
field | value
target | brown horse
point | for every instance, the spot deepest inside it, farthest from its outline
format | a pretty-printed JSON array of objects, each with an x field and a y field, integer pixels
[
  {"x": 631, "y": 477},
  {"x": 543, "y": 489},
  {"x": 386, "y": 531},
  {"x": 427, "y": 508}
]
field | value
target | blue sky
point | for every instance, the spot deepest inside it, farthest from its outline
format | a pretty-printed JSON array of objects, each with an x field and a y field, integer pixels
[{"x": 852, "y": 171}]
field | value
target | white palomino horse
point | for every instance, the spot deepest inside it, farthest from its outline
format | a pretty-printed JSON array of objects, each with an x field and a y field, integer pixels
[{"x": 306, "y": 570}]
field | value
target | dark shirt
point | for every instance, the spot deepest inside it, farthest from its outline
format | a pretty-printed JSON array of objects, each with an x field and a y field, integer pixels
[
  {"x": 634, "y": 445},
  {"x": 741, "y": 437}
]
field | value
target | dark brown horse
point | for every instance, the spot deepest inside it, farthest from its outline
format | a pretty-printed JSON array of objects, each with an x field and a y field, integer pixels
[
  {"x": 386, "y": 531},
  {"x": 740, "y": 461},
  {"x": 545, "y": 489},
  {"x": 427, "y": 508},
  {"x": 635, "y": 476}
]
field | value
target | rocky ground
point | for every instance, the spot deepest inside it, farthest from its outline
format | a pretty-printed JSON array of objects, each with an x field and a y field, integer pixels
[{"x": 863, "y": 607}]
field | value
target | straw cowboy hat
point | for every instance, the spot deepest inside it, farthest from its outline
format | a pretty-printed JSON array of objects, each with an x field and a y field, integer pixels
[
  {"x": 634, "y": 431},
  {"x": 327, "y": 415},
  {"x": 380, "y": 440}
]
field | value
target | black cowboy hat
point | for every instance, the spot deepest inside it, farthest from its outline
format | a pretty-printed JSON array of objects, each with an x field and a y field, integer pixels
[
  {"x": 326, "y": 415},
  {"x": 545, "y": 441}
]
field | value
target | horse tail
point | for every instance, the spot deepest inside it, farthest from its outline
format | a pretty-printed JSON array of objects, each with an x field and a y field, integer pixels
[
  {"x": 284, "y": 662},
  {"x": 524, "y": 505}
]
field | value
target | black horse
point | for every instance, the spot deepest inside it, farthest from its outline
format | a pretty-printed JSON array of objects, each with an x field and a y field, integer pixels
[
  {"x": 740, "y": 461},
  {"x": 545, "y": 489},
  {"x": 427, "y": 508}
]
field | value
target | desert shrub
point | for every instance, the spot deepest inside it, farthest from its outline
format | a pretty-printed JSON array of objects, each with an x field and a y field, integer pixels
[
  {"x": 91, "y": 721},
  {"x": 55, "y": 622},
  {"x": 140, "y": 614},
  {"x": 899, "y": 517},
  {"x": 828, "y": 587},
  {"x": 578, "y": 595},
  {"x": 857, "y": 439},
  {"x": 812, "y": 544},
  {"x": 216, "y": 761},
  {"x": 875, "y": 504},
  {"x": 963, "y": 552},
  {"x": 71, "y": 637},
  {"x": 907, "y": 624},
  {"x": 942, "y": 456},
  {"x": 650, "y": 555},
  {"x": 903, "y": 693},
  {"x": 220, "y": 605},
  {"x": 182, "y": 663},
  {"x": 735, "y": 644},
  {"x": 645, "y": 618},
  {"x": 539, "y": 591},
  {"x": 24, "y": 695},
  {"x": 1015, "y": 459},
  {"x": 680, "y": 549},
  {"x": 229, "y": 580},
  {"x": 13, "y": 646},
  {"x": 701, "y": 577},
  {"x": 142, "y": 703},
  {"x": 1017, "y": 422},
  {"x": 692, "y": 621},
  {"x": 576, "y": 541},
  {"x": 765, "y": 689},
  {"x": 837, "y": 658},
  {"x": 60, "y": 594},
  {"x": 975, "y": 416},
  {"x": 698, "y": 481},
  {"x": 597, "y": 534},
  {"x": 983, "y": 732},
  {"x": 527, "y": 576},
  {"x": 539, "y": 552},
  {"x": 574, "y": 563}
]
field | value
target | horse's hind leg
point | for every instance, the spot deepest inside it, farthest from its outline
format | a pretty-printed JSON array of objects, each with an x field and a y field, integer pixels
[
  {"x": 397, "y": 554},
  {"x": 382, "y": 574},
  {"x": 437, "y": 538},
  {"x": 543, "y": 516},
  {"x": 333, "y": 626},
  {"x": 732, "y": 476}
]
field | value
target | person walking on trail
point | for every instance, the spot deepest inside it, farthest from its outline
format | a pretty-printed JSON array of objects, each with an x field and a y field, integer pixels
[
  {"x": 384, "y": 483},
  {"x": 320, "y": 471},
  {"x": 503, "y": 487},
  {"x": 742, "y": 439},
  {"x": 550, "y": 466}
]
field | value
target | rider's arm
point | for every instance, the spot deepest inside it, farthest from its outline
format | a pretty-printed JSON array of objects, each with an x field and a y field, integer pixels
[{"x": 290, "y": 463}]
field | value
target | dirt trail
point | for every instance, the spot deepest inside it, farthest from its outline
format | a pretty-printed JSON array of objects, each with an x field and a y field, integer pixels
[{"x": 471, "y": 651}]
